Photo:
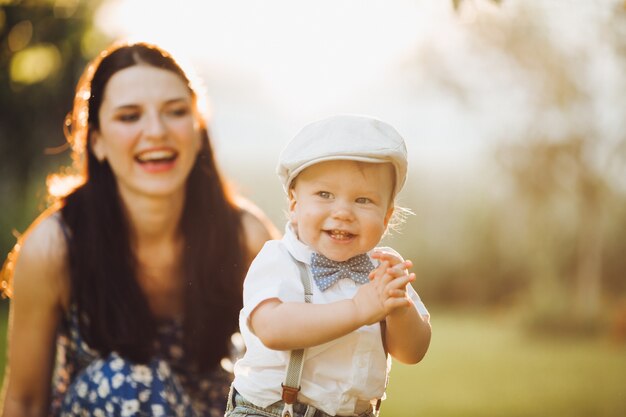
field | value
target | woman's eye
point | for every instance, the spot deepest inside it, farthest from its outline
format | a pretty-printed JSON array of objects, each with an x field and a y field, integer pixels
[
  {"x": 363, "y": 200},
  {"x": 128, "y": 117},
  {"x": 179, "y": 111}
]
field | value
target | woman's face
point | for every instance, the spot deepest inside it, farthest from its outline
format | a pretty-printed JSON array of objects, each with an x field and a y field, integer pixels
[{"x": 149, "y": 131}]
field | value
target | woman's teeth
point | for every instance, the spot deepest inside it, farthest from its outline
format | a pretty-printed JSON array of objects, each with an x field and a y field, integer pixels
[{"x": 156, "y": 156}]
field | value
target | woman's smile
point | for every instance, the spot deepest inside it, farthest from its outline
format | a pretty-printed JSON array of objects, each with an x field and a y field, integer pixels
[{"x": 157, "y": 160}]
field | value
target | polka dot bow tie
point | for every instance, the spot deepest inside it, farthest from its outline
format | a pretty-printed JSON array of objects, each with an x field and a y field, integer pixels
[{"x": 326, "y": 271}]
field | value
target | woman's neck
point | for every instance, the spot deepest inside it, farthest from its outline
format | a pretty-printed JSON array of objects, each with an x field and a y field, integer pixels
[
  {"x": 152, "y": 219},
  {"x": 158, "y": 247}
]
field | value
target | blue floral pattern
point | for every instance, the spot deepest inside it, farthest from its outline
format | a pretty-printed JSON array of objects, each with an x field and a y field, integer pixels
[{"x": 86, "y": 384}]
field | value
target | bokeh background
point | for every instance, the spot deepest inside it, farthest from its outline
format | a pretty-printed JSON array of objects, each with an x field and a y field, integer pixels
[{"x": 514, "y": 113}]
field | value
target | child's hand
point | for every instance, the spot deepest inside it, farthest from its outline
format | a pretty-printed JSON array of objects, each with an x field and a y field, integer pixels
[
  {"x": 385, "y": 292},
  {"x": 391, "y": 257},
  {"x": 399, "y": 266}
]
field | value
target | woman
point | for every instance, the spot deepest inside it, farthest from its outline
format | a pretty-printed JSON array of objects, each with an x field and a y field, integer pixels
[{"x": 133, "y": 278}]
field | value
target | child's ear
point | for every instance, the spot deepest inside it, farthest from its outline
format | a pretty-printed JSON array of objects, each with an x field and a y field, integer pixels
[
  {"x": 389, "y": 213},
  {"x": 97, "y": 146},
  {"x": 293, "y": 201}
]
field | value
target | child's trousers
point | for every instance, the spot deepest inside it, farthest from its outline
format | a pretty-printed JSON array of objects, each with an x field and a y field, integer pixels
[{"x": 240, "y": 407}]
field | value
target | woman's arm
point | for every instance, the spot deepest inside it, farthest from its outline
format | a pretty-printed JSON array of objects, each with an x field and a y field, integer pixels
[{"x": 40, "y": 289}]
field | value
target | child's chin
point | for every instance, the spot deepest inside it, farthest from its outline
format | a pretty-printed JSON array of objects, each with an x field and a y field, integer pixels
[{"x": 338, "y": 257}]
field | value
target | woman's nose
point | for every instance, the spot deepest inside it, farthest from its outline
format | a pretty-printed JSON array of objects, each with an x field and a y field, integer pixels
[{"x": 154, "y": 127}]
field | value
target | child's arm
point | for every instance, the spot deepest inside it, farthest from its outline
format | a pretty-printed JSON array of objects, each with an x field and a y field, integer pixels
[
  {"x": 294, "y": 325},
  {"x": 407, "y": 332}
]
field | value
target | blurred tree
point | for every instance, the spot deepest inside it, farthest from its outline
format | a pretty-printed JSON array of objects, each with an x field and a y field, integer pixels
[
  {"x": 555, "y": 99},
  {"x": 574, "y": 165},
  {"x": 44, "y": 44}
]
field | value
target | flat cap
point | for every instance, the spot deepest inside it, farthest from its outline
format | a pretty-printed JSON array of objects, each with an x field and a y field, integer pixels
[{"x": 344, "y": 137}]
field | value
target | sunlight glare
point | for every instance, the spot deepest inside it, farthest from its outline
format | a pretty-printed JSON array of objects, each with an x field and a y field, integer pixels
[
  {"x": 59, "y": 185},
  {"x": 319, "y": 50}
]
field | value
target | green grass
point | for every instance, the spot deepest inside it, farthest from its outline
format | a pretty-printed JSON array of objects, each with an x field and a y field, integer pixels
[{"x": 481, "y": 364}]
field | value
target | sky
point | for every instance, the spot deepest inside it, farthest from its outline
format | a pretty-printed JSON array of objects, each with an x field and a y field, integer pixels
[{"x": 272, "y": 66}]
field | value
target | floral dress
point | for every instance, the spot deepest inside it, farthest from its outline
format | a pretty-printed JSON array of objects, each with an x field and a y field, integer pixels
[{"x": 86, "y": 384}]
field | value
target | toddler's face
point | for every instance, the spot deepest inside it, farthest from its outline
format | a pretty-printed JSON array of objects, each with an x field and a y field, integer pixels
[{"x": 342, "y": 208}]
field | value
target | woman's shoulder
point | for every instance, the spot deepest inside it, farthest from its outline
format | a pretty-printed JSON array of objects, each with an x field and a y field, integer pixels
[
  {"x": 45, "y": 238},
  {"x": 257, "y": 227},
  {"x": 40, "y": 258}
]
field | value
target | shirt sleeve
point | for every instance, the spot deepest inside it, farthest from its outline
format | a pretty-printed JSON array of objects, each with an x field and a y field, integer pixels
[
  {"x": 419, "y": 305},
  {"x": 272, "y": 274}
]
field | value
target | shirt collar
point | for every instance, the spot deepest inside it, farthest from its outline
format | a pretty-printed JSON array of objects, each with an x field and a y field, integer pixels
[{"x": 296, "y": 248}]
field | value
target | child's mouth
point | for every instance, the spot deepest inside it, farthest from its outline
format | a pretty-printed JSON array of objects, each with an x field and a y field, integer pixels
[{"x": 339, "y": 234}]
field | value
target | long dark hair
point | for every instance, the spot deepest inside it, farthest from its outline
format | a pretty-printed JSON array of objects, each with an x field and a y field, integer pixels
[{"x": 113, "y": 310}]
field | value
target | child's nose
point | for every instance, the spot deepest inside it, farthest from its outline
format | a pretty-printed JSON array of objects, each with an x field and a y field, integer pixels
[{"x": 343, "y": 211}]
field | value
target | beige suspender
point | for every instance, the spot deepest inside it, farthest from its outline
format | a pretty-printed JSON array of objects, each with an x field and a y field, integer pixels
[{"x": 291, "y": 386}]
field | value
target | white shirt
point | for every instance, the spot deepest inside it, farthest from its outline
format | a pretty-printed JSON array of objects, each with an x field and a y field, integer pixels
[{"x": 336, "y": 374}]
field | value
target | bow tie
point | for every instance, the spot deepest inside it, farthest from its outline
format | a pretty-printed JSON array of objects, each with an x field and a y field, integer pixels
[{"x": 326, "y": 271}]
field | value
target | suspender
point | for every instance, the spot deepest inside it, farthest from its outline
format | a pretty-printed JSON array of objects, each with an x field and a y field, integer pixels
[{"x": 291, "y": 386}]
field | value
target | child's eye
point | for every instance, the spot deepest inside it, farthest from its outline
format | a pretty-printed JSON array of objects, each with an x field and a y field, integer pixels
[
  {"x": 363, "y": 200},
  {"x": 324, "y": 194}
]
